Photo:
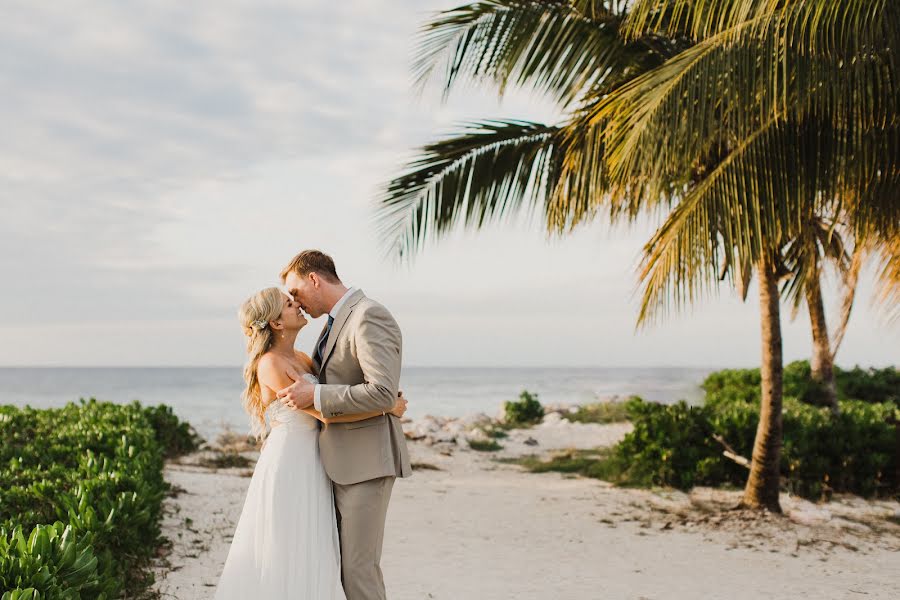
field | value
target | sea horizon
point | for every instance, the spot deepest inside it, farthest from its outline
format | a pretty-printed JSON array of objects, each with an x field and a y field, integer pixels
[{"x": 209, "y": 397}]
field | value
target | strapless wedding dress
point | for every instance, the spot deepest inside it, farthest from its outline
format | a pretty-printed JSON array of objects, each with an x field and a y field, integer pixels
[{"x": 286, "y": 543}]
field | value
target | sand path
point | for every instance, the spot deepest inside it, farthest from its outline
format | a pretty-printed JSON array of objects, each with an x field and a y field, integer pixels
[{"x": 481, "y": 529}]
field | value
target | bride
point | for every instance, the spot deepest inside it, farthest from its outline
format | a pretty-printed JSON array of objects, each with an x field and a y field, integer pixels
[{"x": 286, "y": 541}]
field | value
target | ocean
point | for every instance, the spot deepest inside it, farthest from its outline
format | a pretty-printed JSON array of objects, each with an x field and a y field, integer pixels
[{"x": 209, "y": 398}]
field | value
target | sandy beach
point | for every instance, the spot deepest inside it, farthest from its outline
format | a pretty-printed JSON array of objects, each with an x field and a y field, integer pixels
[{"x": 469, "y": 526}]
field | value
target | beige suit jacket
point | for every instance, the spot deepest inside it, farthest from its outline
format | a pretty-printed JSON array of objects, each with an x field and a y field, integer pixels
[{"x": 360, "y": 372}]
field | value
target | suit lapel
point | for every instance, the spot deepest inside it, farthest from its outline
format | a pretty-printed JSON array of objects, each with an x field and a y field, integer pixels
[{"x": 339, "y": 321}]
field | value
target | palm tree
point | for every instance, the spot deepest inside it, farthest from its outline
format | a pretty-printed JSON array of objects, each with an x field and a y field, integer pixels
[
  {"x": 795, "y": 104},
  {"x": 572, "y": 51},
  {"x": 697, "y": 115},
  {"x": 822, "y": 244}
]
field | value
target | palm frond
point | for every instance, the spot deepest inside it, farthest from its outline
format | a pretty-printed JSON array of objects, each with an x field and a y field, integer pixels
[
  {"x": 805, "y": 257},
  {"x": 491, "y": 169},
  {"x": 659, "y": 124},
  {"x": 745, "y": 206},
  {"x": 836, "y": 28},
  {"x": 888, "y": 296},
  {"x": 560, "y": 48}
]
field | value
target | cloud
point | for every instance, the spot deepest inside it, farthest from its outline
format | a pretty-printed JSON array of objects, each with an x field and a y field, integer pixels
[{"x": 162, "y": 160}]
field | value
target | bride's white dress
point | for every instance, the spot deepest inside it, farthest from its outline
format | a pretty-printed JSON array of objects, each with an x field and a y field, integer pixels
[{"x": 286, "y": 542}]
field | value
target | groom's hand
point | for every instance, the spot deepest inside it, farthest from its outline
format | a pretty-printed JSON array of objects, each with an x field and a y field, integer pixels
[{"x": 300, "y": 394}]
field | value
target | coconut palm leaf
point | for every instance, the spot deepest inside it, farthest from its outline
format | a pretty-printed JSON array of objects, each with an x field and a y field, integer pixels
[
  {"x": 561, "y": 48},
  {"x": 805, "y": 257},
  {"x": 491, "y": 169},
  {"x": 743, "y": 208},
  {"x": 837, "y": 28},
  {"x": 888, "y": 295},
  {"x": 658, "y": 125},
  {"x": 737, "y": 77}
]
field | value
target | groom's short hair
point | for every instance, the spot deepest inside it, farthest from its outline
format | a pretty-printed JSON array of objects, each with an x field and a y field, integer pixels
[{"x": 312, "y": 261}]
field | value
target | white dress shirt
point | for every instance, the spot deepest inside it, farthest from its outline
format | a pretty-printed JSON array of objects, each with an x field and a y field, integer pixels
[{"x": 333, "y": 313}]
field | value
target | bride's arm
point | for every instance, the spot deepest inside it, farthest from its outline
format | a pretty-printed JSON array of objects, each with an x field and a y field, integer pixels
[
  {"x": 273, "y": 373},
  {"x": 398, "y": 409}
]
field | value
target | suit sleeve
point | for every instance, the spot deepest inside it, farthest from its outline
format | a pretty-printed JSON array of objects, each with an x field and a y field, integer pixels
[{"x": 378, "y": 350}]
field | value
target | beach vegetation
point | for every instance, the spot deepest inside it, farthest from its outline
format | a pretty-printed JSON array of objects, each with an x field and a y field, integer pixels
[
  {"x": 82, "y": 490},
  {"x": 599, "y": 412},
  {"x": 225, "y": 460},
  {"x": 526, "y": 411},
  {"x": 495, "y": 432},
  {"x": 865, "y": 385},
  {"x": 682, "y": 446},
  {"x": 485, "y": 445},
  {"x": 756, "y": 131}
]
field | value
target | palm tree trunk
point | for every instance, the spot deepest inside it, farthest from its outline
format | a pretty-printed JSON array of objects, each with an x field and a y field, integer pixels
[
  {"x": 762, "y": 486},
  {"x": 822, "y": 360}
]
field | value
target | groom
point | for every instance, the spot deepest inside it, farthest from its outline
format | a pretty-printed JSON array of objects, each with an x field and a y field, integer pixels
[{"x": 357, "y": 358}]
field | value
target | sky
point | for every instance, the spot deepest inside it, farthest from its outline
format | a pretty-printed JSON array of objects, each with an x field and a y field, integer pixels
[{"x": 162, "y": 161}]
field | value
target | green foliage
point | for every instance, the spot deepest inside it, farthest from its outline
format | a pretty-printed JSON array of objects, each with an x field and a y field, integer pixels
[
  {"x": 175, "y": 436},
  {"x": 673, "y": 445},
  {"x": 743, "y": 385},
  {"x": 52, "y": 562},
  {"x": 869, "y": 385},
  {"x": 485, "y": 445},
  {"x": 86, "y": 481},
  {"x": 527, "y": 410},
  {"x": 226, "y": 460},
  {"x": 599, "y": 464},
  {"x": 601, "y": 412},
  {"x": 495, "y": 432}
]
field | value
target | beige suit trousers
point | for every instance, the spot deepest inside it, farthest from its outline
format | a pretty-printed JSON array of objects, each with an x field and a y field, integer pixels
[{"x": 361, "y": 512}]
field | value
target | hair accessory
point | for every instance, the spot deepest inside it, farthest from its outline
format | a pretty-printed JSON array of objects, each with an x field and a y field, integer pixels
[{"x": 261, "y": 324}]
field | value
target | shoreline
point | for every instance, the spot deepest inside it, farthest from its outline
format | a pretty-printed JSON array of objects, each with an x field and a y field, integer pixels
[{"x": 468, "y": 525}]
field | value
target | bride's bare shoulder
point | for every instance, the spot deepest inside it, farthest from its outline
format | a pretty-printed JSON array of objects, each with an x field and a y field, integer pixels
[
  {"x": 304, "y": 359},
  {"x": 270, "y": 360},
  {"x": 267, "y": 365},
  {"x": 274, "y": 367}
]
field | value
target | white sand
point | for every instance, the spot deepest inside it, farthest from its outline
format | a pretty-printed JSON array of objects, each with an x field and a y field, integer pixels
[{"x": 484, "y": 530}]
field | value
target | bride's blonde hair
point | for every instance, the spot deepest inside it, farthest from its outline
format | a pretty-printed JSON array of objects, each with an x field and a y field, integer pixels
[{"x": 255, "y": 314}]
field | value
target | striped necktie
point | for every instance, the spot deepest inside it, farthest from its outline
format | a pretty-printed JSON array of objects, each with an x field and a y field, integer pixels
[{"x": 320, "y": 348}]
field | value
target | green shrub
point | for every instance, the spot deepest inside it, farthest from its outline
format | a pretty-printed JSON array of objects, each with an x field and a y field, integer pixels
[
  {"x": 670, "y": 445},
  {"x": 527, "y": 410},
  {"x": 868, "y": 385},
  {"x": 89, "y": 473},
  {"x": 175, "y": 436},
  {"x": 52, "y": 561},
  {"x": 485, "y": 445},
  {"x": 599, "y": 464},
  {"x": 855, "y": 451},
  {"x": 673, "y": 445},
  {"x": 600, "y": 412},
  {"x": 732, "y": 386}
]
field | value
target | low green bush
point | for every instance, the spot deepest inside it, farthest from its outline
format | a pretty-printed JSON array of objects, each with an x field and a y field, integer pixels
[
  {"x": 527, "y": 410},
  {"x": 177, "y": 437},
  {"x": 84, "y": 479},
  {"x": 52, "y": 562},
  {"x": 600, "y": 412},
  {"x": 485, "y": 445},
  {"x": 867, "y": 385},
  {"x": 673, "y": 445}
]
